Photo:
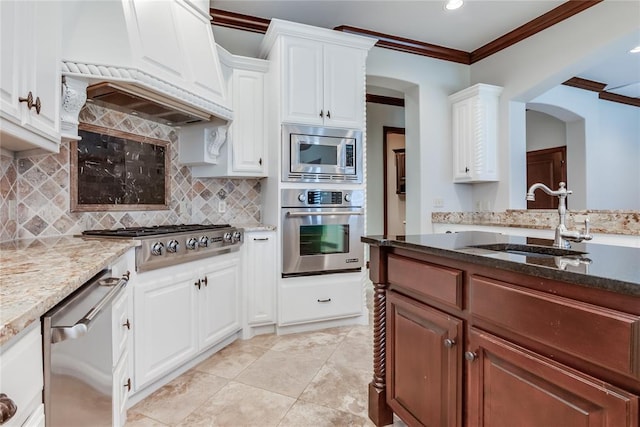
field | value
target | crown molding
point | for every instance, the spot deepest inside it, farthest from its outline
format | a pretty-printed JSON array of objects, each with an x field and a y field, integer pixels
[
  {"x": 564, "y": 11},
  {"x": 223, "y": 18}
]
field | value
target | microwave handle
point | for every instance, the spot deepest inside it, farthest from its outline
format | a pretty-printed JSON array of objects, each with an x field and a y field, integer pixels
[{"x": 299, "y": 214}]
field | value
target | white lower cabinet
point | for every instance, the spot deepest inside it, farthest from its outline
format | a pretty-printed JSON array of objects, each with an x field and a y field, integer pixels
[
  {"x": 181, "y": 311},
  {"x": 21, "y": 377},
  {"x": 259, "y": 277},
  {"x": 317, "y": 298}
]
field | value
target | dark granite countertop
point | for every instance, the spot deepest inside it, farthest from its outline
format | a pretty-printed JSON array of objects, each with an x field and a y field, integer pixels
[{"x": 612, "y": 268}]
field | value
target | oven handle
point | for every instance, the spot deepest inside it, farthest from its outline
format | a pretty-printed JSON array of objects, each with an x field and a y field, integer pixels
[
  {"x": 299, "y": 214},
  {"x": 63, "y": 333}
]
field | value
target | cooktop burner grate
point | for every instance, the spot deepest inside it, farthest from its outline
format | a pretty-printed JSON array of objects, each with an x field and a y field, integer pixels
[{"x": 154, "y": 230}]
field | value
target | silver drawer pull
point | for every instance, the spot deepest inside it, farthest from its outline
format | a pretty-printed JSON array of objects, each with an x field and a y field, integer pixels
[
  {"x": 262, "y": 239},
  {"x": 325, "y": 300}
]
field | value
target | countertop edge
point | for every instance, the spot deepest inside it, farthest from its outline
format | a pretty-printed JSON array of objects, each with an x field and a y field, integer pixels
[{"x": 605, "y": 284}]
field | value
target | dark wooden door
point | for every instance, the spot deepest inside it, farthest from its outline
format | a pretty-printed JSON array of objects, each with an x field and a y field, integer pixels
[
  {"x": 509, "y": 386},
  {"x": 424, "y": 370},
  {"x": 550, "y": 168}
]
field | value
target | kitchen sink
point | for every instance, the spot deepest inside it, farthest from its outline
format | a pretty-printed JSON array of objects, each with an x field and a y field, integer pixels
[{"x": 530, "y": 250}]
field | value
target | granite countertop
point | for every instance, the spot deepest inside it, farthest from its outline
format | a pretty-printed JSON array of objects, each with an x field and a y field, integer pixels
[
  {"x": 612, "y": 268},
  {"x": 37, "y": 274}
]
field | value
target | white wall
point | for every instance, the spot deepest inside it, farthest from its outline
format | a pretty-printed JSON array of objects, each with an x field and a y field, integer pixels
[
  {"x": 426, "y": 83},
  {"x": 378, "y": 116},
  {"x": 608, "y": 151},
  {"x": 544, "y": 131},
  {"x": 537, "y": 64}
]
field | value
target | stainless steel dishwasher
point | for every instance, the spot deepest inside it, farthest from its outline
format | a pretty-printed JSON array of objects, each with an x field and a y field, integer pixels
[{"x": 78, "y": 356}]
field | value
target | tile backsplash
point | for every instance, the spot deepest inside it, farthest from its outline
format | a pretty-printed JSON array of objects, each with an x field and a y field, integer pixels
[{"x": 35, "y": 191}]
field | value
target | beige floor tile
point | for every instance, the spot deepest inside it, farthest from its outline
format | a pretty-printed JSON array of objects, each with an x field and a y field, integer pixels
[
  {"x": 354, "y": 351},
  {"x": 264, "y": 340},
  {"x": 305, "y": 414},
  {"x": 238, "y": 405},
  {"x": 318, "y": 345},
  {"x": 232, "y": 360},
  {"x": 174, "y": 401},
  {"x": 139, "y": 420},
  {"x": 339, "y": 387},
  {"x": 281, "y": 372}
]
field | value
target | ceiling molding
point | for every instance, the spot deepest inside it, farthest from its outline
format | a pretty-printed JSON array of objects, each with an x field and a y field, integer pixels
[
  {"x": 410, "y": 46},
  {"x": 554, "y": 16},
  {"x": 585, "y": 84},
  {"x": 598, "y": 87},
  {"x": 223, "y": 18},
  {"x": 622, "y": 99},
  {"x": 387, "y": 100}
]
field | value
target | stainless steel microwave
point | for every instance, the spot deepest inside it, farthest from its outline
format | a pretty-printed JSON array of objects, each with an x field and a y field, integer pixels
[{"x": 315, "y": 154}]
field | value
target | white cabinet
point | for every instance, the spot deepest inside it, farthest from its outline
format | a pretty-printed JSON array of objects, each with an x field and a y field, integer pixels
[
  {"x": 244, "y": 152},
  {"x": 259, "y": 277},
  {"x": 317, "y": 298},
  {"x": 321, "y": 74},
  {"x": 323, "y": 84},
  {"x": 30, "y": 75},
  {"x": 475, "y": 133},
  {"x": 180, "y": 311},
  {"x": 21, "y": 377}
]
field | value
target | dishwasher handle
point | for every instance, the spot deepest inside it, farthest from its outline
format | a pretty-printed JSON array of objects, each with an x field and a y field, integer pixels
[{"x": 63, "y": 333}]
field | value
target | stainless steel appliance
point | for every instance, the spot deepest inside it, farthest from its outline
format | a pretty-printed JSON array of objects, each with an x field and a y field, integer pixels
[
  {"x": 313, "y": 154},
  {"x": 78, "y": 355},
  {"x": 321, "y": 231},
  {"x": 167, "y": 245}
]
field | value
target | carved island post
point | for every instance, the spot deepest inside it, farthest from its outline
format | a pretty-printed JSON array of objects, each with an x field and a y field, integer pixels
[{"x": 379, "y": 411}]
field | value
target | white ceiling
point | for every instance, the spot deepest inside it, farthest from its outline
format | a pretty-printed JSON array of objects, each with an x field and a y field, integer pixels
[{"x": 475, "y": 24}]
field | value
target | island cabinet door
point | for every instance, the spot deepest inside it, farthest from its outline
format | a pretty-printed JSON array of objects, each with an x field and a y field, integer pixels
[
  {"x": 424, "y": 363},
  {"x": 510, "y": 386}
]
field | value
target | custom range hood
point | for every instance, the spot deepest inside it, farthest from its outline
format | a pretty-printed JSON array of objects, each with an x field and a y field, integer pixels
[{"x": 157, "y": 59}]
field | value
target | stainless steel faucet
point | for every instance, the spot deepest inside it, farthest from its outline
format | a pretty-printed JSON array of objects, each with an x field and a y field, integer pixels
[{"x": 563, "y": 236}]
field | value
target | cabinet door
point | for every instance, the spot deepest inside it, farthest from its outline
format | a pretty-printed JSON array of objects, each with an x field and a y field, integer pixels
[
  {"x": 260, "y": 276},
  {"x": 12, "y": 54},
  {"x": 42, "y": 67},
  {"x": 511, "y": 386},
  {"x": 219, "y": 301},
  {"x": 164, "y": 324},
  {"x": 462, "y": 122},
  {"x": 344, "y": 83},
  {"x": 248, "y": 130},
  {"x": 302, "y": 83},
  {"x": 121, "y": 390},
  {"x": 424, "y": 363}
]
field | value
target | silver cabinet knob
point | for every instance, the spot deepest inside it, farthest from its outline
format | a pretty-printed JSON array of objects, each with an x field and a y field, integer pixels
[
  {"x": 470, "y": 356},
  {"x": 449, "y": 343},
  {"x": 192, "y": 243},
  {"x": 157, "y": 248},
  {"x": 173, "y": 246}
]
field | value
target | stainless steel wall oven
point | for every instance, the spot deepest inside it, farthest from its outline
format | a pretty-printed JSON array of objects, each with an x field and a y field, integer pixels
[{"x": 321, "y": 231}]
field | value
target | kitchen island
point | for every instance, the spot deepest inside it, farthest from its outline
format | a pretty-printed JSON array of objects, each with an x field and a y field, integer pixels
[{"x": 484, "y": 329}]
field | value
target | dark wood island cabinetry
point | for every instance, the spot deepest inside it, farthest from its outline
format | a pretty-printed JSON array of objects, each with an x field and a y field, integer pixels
[{"x": 465, "y": 337}]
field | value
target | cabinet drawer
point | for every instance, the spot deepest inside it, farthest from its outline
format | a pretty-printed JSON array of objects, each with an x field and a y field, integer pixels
[
  {"x": 601, "y": 336},
  {"x": 21, "y": 374},
  {"x": 440, "y": 283},
  {"x": 308, "y": 302}
]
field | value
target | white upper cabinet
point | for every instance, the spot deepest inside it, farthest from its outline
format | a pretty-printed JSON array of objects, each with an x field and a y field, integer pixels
[
  {"x": 475, "y": 133},
  {"x": 241, "y": 152},
  {"x": 30, "y": 75},
  {"x": 321, "y": 74}
]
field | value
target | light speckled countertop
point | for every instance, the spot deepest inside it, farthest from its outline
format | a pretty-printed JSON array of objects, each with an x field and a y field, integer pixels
[{"x": 37, "y": 274}]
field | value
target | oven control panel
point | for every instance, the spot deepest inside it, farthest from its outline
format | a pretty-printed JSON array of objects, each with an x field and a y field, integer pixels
[{"x": 292, "y": 197}]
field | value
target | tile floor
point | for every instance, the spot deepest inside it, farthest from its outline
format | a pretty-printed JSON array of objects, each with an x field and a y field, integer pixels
[{"x": 307, "y": 379}]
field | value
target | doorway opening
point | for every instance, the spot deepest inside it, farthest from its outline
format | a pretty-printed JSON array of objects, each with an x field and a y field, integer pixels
[{"x": 394, "y": 182}]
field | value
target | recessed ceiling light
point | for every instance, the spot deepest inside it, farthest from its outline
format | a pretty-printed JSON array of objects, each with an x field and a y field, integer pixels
[
  {"x": 453, "y": 4},
  {"x": 635, "y": 50}
]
